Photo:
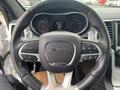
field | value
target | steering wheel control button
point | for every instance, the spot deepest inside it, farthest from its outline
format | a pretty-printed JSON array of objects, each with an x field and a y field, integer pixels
[
  {"x": 89, "y": 48},
  {"x": 29, "y": 58},
  {"x": 30, "y": 47},
  {"x": 29, "y": 51},
  {"x": 90, "y": 57},
  {"x": 59, "y": 51}
]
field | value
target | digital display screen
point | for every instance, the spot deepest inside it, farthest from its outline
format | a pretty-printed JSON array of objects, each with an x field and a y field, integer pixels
[{"x": 118, "y": 34}]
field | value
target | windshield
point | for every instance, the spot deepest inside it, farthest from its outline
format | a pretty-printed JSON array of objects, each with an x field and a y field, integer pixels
[{"x": 99, "y": 3}]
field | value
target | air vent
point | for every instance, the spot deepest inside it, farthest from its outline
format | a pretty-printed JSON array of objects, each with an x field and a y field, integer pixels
[{"x": 110, "y": 30}]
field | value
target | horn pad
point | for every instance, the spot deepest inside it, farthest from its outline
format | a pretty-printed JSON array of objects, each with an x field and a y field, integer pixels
[{"x": 59, "y": 51}]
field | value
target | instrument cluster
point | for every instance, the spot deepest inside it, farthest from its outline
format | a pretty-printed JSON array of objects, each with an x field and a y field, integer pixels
[{"x": 46, "y": 22}]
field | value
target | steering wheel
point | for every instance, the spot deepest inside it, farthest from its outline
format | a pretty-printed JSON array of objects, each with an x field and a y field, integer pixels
[{"x": 60, "y": 51}]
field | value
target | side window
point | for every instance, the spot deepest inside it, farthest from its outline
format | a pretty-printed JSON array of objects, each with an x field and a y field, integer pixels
[{"x": 4, "y": 36}]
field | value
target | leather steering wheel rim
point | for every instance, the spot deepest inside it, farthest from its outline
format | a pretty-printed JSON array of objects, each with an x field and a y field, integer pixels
[{"x": 46, "y": 6}]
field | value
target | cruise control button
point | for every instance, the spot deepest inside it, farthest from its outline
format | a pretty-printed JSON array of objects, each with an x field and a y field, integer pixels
[
  {"x": 95, "y": 57},
  {"x": 84, "y": 50},
  {"x": 90, "y": 57},
  {"x": 85, "y": 58}
]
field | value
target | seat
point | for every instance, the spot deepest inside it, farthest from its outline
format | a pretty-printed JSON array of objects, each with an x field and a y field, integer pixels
[{"x": 8, "y": 82}]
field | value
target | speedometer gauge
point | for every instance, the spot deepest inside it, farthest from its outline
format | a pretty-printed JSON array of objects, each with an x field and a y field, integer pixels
[
  {"x": 78, "y": 23},
  {"x": 75, "y": 25}
]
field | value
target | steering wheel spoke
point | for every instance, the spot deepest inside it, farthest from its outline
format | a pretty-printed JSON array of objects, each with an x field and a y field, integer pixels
[
  {"x": 29, "y": 51},
  {"x": 54, "y": 85},
  {"x": 67, "y": 80},
  {"x": 90, "y": 50},
  {"x": 51, "y": 79}
]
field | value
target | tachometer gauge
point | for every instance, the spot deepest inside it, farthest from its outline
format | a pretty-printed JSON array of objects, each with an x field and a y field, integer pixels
[{"x": 42, "y": 26}]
